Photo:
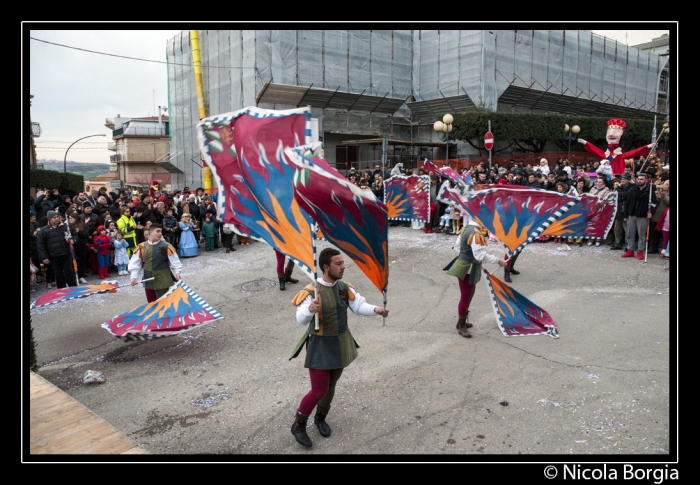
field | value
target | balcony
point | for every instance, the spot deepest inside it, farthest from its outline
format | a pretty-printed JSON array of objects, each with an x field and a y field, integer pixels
[
  {"x": 112, "y": 146},
  {"x": 138, "y": 131},
  {"x": 36, "y": 129},
  {"x": 115, "y": 158}
]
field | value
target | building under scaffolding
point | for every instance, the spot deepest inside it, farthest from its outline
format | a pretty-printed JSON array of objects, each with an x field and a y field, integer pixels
[{"x": 395, "y": 84}]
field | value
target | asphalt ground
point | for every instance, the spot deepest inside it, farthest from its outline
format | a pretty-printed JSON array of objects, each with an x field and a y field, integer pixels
[{"x": 418, "y": 391}]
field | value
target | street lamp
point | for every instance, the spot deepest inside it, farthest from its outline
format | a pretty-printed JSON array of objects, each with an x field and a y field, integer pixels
[
  {"x": 570, "y": 135},
  {"x": 76, "y": 141},
  {"x": 443, "y": 129}
]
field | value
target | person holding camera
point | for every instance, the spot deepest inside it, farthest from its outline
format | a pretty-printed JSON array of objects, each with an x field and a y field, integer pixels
[{"x": 127, "y": 226}]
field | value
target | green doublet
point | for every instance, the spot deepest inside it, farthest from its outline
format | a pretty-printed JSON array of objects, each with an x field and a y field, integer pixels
[
  {"x": 466, "y": 259},
  {"x": 157, "y": 265},
  {"x": 332, "y": 346}
]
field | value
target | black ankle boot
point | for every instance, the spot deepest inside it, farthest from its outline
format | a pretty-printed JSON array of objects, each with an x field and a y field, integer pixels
[
  {"x": 299, "y": 430},
  {"x": 320, "y": 421},
  {"x": 514, "y": 271},
  {"x": 507, "y": 277},
  {"x": 288, "y": 273},
  {"x": 281, "y": 278}
]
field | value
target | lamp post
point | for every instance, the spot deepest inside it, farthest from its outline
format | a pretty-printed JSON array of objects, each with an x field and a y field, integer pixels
[
  {"x": 443, "y": 129},
  {"x": 570, "y": 135},
  {"x": 76, "y": 141}
]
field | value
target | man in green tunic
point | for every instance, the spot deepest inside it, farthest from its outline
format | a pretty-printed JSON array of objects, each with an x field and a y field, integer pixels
[
  {"x": 330, "y": 348},
  {"x": 160, "y": 264}
]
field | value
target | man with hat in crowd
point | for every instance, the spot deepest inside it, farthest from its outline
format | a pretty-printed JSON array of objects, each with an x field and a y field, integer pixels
[
  {"x": 638, "y": 210},
  {"x": 89, "y": 218},
  {"x": 613, "y": 153},
  {"x": 53, "y": 247},
  {"x": 620, "y": 225},
  {"x": 518, "y": 178}
]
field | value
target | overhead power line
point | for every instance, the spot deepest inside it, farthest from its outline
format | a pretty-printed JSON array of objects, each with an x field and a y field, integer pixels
[{"x": 137, "y": 58}]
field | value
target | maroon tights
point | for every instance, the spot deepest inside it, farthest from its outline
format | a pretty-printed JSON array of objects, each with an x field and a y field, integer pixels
[
  {"x": 466, "y": 291},
  {"x": 280, "y": 263},
  {"x": 322, "y": 389}
]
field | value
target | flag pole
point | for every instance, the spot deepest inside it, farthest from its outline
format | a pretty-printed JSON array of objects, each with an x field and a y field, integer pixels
[
  {"x": 69, "y": 240},
  {"x": 314, "y": 228},
  {"x": 646, "y": 244}
]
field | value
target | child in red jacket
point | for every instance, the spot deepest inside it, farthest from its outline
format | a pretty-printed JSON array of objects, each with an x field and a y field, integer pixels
[{"x": 103, "y": 242}]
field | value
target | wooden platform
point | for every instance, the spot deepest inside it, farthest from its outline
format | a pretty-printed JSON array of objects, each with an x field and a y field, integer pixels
[{"x": 58, "y": 424}]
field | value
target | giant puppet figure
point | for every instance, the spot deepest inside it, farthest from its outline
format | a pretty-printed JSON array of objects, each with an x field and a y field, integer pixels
[{"x": 614, "y": 153}]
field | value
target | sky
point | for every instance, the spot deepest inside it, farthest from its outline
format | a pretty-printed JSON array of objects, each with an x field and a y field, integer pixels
[{"x": 76, "y": 90}]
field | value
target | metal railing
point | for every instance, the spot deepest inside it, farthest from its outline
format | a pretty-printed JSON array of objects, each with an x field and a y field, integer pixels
[{"x": 138, "y": 131}]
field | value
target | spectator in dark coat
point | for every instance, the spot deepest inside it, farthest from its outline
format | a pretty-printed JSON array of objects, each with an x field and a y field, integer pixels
[
  {"x": 53, "y": 249},
  {"x": 43, "y": 204},
  {"x": 90, "y": 219}
]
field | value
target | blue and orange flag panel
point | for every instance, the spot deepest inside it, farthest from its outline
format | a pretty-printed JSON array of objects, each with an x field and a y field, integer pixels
[
  {"x": 517, "y": 216},
  {"x": 70, "y": 292},
  {"x": 260, "y": 193},
  {"x": 407, "y": 197},
  {"x": 179, "y": 310},
  {"x": 518, "y": 316},
  {"x": 352, "y": 219},
  {"x": 588, "y": 218}
]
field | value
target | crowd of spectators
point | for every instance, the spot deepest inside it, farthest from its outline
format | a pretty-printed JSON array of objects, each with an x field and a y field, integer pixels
[
  {"x": 130, "y": 213},
  {"x": 125, "y": 213}
]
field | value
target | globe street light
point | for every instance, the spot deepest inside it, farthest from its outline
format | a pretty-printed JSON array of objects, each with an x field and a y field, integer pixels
[
  {"x": 570, "y": 135},
  {"x": 76, "y": 141},
  {"x": 443, "y": 129}
]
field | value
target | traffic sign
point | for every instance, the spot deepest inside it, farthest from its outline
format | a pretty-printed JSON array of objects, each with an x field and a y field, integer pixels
[{"x": 488, "y": 140}]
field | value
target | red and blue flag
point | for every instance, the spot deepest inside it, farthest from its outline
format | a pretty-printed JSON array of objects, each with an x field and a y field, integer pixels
[
  {"x": 518, "y": 316},
  {"x": 352, "y": 219},
  {"x": 179, "y": 310},
  {"x": 407, "y": 197},
  {"x": 70, "y": 292}
]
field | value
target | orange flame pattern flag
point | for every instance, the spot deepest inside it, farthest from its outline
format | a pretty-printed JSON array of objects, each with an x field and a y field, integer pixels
[
  {"x": 516, "y": 315},
  {"x": 352, "y": 219},
  {"x": 245, "y": 152},
  {"x": 179, "y": 310},
  {"x": 70, "y": 292}
]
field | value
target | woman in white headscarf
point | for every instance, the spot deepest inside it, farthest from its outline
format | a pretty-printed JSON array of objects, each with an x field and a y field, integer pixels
[
  {"x": 397, "y": 170},
  {"x": 544, "y": 167}
]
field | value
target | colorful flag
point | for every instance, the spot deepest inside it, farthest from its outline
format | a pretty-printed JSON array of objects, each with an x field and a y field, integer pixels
[
  {"x": 407, "y": 197},
  {"x": 256, "y": 138},
  {"x": 432, "y": 168},
  {"x": 516, "y": 315},
  {"x": 70, "y": 292},
  {"x": 352, "y": 219},
  {"x": 179, "y": 310},
  {"x": 589, "y": 218},
  {"x": 516, "y": 216}
]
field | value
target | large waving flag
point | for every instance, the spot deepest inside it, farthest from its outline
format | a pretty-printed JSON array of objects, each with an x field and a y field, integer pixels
[
  {"x": 179, "y": 310},
  {"x": 352, "y": 219},
  {"x": 449, "y": 173},
  {"x": 589, "y": 218},
  {"x": 256, "y": 138},
  {"x": 516, "y": 315},
  {"x": 235, "y": 204},
  {"x": 407, "y": 197},
  {"x": 517, "y": 216},
  {"x": 70, "y": 292}
]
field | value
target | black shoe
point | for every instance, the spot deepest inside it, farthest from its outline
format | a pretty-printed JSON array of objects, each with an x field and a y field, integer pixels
[
  {"x": 615, "y": 248},
  {"x": 507, "y": 278},
  {"x": 320, "y": 422},
  {"x": 299, "y": 430},
  {"x": 289, "y": 279},
  {"x": 282, "y": 283},
  {"x": 514, "y": 271}
]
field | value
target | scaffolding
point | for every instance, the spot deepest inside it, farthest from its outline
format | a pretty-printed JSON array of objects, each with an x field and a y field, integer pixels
[{"x": 393, "y": 83}]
